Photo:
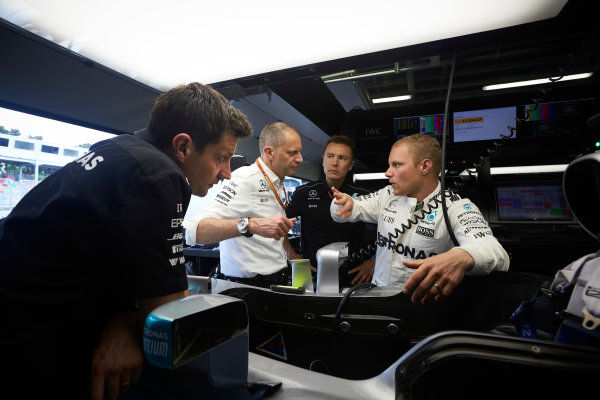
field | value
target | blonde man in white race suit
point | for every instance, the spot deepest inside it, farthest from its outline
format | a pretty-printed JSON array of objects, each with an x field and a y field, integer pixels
[{"x": 422, "y": 259}]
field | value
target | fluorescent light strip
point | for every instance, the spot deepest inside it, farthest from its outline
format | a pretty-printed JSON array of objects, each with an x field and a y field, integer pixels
[
  {"x": 346, "y": 75},
  {"x": 390, "y": 99},
  {"x": 532, "y": 169},
  {"x": 526, "y": 169},
  {"x": 537, "y": 81},
  {"x": 338, "y": 74},
  {"x": 369, "y": 177},
  {"x": 358, "y": 76}
]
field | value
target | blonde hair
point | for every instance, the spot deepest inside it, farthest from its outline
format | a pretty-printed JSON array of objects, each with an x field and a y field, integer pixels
[{"x": 422, "y": 146}]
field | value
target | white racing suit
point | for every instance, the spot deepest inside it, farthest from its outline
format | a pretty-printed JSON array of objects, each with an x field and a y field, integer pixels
[{"x": 398, "y": 239}]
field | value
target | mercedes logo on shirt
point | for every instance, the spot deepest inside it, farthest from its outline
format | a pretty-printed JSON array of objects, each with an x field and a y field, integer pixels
[
  {"x": 312, "y": 193},
  {"x": 263, "y": 184}
]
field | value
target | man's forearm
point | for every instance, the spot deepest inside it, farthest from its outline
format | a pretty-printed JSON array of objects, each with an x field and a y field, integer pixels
[
  {"x": 289, "y": 249},
  {"x": 211, "y": 230}
]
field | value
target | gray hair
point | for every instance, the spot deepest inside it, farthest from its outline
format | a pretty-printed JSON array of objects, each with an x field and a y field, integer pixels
[{"x": 273, "y": 135}]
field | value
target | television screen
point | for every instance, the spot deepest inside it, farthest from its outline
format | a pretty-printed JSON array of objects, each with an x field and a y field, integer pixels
[
  {"x": 556, "y": 118},
  {"x": 487, "y": 124},
  {"x": 428, "y": 124},
  {"x": 532, "y": 203}
]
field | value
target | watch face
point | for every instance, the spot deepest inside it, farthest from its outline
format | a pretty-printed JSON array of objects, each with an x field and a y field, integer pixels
[{"x": 242, "y": 225}]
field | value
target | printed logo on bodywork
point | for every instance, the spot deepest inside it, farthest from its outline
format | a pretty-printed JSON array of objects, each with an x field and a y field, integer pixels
[{"x": 274, "y": 346}]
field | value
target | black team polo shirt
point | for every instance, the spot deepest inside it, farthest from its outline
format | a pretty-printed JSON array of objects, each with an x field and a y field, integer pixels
[{"x": 311, "y": 203}]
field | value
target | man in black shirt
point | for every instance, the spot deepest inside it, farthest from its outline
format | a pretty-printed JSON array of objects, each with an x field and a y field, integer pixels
[
  {"x": 88, "y": 252},
  {"x": 311, "y": 203}
]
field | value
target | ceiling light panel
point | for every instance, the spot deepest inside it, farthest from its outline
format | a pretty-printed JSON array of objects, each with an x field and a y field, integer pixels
[
  {"x": 527, "y": 169},
  {"x": 542, "y": 81},
  {"x": 163, "y": 44},
  {"x": 391, "y": 99}
]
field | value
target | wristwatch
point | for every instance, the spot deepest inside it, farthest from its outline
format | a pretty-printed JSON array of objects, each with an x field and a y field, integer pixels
[{"x": 242, "y": 227}]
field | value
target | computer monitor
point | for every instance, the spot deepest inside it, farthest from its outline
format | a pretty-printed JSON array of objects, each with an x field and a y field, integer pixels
[
  {"x": 484, "y": 124},
  {"x": 521, "y": 202},
  {"x": 565, "y": 118},
  {"x": 427, "y": 124}
]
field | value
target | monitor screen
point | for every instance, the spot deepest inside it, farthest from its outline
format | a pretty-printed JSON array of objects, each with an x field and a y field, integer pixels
[
  {"x": 487, "y": 124},
  {"x": 428, "y": 124},
  {"x": 532, "y": 203},
  {"x": 556, "y": 118}
]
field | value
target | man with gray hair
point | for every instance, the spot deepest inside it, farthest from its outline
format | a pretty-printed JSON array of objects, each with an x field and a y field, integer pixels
[{"x": 248, "y": 217}]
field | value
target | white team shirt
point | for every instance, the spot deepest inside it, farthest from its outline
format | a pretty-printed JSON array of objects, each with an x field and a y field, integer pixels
[
  {"x": 428, "y": 237},
  {"x": 246, "y": 194}
]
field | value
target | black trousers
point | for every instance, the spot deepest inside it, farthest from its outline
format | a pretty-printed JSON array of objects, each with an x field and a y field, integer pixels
[{"x": 281, "y": 277}]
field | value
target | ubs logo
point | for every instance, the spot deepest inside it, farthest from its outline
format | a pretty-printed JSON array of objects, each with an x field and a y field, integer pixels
[
  {"x": 312, "y": 193},
  {"x": 263, "y": 184}
]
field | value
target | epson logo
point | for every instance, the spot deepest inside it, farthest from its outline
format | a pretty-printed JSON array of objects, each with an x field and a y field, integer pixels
[{"x": 230, "y": 190}]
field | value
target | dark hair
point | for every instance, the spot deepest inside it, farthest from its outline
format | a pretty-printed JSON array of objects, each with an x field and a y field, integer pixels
[
  {"x": 343, "y": 140},
  {"x": 198, "y": 110}
]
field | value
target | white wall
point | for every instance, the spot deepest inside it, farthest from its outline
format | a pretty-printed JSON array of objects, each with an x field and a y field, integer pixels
[{"x": 262, "y": 109}]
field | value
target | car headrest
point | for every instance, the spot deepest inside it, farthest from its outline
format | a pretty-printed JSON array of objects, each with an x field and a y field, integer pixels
[{"x": 581, "y": 186}]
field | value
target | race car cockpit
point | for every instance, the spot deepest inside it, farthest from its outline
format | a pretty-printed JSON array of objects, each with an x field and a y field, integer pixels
[{"x": 505, "y": 334}]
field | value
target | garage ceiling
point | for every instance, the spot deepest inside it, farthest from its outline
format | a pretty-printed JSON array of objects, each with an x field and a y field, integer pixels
[
  {"x": 48, "y": 80},
  {"x": 565, "y": 45}
]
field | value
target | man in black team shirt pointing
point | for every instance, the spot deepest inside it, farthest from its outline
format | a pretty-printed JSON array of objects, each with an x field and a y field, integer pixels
[
  {"x": 88, "y": 252},
  {"x": 311, "y": 203}
]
